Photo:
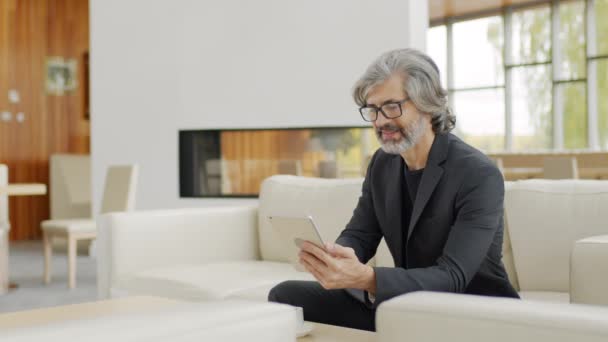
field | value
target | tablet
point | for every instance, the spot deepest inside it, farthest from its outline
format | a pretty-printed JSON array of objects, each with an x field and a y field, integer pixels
[{"x": 294, "y": 230}]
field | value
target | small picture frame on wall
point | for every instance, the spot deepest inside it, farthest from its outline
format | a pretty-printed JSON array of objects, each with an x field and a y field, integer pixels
[
  {"x": 61, "y": 77},
  {"x": 85, "y": 85}
]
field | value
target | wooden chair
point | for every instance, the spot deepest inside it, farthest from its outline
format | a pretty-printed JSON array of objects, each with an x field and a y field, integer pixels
[
  {"x": 119, "y": 195},
  {"x": 289, "y": 167},
  {"x": 328, "y": 169},
  {"x": 560, "y": 168}
]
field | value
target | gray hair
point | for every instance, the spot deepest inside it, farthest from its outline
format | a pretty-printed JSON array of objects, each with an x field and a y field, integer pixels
[{"x": 420, "y": 81}]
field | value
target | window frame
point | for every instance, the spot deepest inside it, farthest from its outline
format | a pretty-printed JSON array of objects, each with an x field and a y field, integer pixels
[{"x": 590, "y": 77}]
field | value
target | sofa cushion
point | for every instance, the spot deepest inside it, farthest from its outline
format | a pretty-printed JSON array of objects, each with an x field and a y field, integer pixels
[
  {"x": 329, "y": 201},
  {"x": 545, "y": 218},
  {"x": 238, "y": 279}
]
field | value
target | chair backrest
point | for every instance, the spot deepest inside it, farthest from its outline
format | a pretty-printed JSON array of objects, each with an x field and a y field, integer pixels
[
  {"x": 70, "y": 186},
  {"x": 3, "y": 197},
  {"x": 329, "y": 201},
  {"x": 545, "y": 218},
  {"x": 560, "y": 168},
  {"x": 289, "y": 167},
  {"x": 328, "y": 169},
  {"x": 119, "y": 190}
]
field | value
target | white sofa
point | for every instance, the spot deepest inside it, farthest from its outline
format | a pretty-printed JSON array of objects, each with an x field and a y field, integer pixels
[
  {"x": 218, "y": 253},
  {"x": 210, "y": 321},
  {"x": 432, "y": 316}
]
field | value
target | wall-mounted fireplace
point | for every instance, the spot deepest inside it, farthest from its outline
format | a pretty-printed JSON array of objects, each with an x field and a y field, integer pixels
[{"x": 233, "y": 163}]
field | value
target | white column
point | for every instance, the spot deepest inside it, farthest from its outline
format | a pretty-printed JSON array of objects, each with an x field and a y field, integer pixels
[
  {"x": 592, "y": 111},
  {"x": 417, "y": 18},
  {"x": 558, "y": 94},
  {"x": 508, "y": 58}
]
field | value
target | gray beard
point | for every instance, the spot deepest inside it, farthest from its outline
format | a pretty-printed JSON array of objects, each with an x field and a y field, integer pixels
[{"x": 410, "y": 136}]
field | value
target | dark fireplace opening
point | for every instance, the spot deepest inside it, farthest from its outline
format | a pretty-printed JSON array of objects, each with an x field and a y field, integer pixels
[{"x": 233, "y": 163}]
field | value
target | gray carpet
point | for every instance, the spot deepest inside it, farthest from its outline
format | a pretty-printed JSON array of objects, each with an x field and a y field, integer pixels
[{"x": 26, "y": 269}]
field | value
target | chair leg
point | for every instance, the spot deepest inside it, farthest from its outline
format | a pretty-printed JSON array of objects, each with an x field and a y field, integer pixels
[
  {"x": 48, "y": 254},
  {"x": 72, "y": 243}
]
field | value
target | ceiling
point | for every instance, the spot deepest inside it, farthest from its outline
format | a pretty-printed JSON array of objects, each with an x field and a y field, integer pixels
[{"x": 441, "y": 9}]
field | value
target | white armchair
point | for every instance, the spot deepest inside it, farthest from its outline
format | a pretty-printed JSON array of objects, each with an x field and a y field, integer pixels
[
  {"x": 558, "y": 232},
  {"x": 556, "y": 252},
  {"x": 433, "y": 316}
]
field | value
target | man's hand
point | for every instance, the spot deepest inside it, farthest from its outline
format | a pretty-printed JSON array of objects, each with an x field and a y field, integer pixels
[{"x": 338, "y": 268}]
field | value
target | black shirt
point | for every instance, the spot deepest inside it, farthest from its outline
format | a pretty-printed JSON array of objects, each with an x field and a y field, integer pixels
[
  {"x": 412, "y": 180},
  {"x": 410, "y": 183}
]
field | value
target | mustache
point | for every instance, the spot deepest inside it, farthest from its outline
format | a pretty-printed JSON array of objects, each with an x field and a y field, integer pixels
[{"x": 388, "y": 128}]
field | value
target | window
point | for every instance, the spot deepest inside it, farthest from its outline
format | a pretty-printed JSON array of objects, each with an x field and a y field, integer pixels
[
  {"x": 531, "y": 32},
  {"x": 601, "y": 65},
  {"x": 531, "y": 99},
  {"x": 531, "y": 107},
  {"x": 437, "y": 47},
  {"x": 478, "y": 86},
  {"x": 574, "y": 107},
  {"x": 481, "y": 118},
  {"x": 601, "y": 24},
  {"x": 479, "y": 53},
  {"x": 572, "y": 45},
  {"x": 518, "y": 85}
]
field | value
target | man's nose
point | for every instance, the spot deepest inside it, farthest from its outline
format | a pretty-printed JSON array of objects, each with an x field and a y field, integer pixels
[{"x": 381, "y": 120}]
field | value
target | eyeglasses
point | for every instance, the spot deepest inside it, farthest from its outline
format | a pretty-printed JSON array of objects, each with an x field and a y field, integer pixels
[{"x": 390, "y": 110}]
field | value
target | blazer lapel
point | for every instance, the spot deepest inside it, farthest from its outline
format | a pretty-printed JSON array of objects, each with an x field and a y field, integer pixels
[
  {"x": 430, "y": 178},
  {"x": 394, "y": 202}
]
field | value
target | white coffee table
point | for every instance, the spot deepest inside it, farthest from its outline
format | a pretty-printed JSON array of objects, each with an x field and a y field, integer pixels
[
  {"x": 331, "y": 333},
  {"x": 102, "y": 308},
  {"x": 128, "y": 305}
]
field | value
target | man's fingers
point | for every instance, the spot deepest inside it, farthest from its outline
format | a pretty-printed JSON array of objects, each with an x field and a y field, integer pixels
[
  {"x": 340, "y": 251},
  {"x": 312, "y": 260},
  {"x": 312, "y": 270},
  {"x": 313, "y": 249}
]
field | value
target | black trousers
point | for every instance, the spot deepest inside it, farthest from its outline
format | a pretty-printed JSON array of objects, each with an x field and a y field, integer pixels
[{"x": 334, "y": 307}]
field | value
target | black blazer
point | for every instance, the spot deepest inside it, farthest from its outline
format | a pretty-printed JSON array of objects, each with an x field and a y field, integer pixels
[{"x": 454, "y": 238}]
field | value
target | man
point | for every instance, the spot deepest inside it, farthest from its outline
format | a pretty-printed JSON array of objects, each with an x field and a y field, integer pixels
[{"x": 437, "y": 201}]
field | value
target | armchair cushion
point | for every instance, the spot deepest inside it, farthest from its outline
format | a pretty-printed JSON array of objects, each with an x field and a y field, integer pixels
[
  {"x": 589, "y": 271},
  {"x": 546, "y": 296},
  {"x": 545, "y": 218}
]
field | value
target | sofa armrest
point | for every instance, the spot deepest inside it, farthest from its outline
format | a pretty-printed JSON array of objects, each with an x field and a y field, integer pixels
[
  {"x": 589, "y": 271},
  {"x": 132, "y": 242},
  {"x": 434, "y": 316}
]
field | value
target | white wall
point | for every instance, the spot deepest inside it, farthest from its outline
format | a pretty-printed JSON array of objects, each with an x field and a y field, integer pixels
[{"x": 158, "y": 66}]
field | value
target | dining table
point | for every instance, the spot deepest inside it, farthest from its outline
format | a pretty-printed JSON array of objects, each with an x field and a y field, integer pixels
[{"x": 9, "y": 190}]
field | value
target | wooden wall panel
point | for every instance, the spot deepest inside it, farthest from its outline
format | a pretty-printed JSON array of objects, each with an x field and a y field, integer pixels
[
  {"x": 251, "y": 156},
  {"x": 31, "y": 31}
]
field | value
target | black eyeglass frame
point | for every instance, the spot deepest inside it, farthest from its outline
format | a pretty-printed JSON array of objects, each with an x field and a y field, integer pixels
[{"x": 379, "y": 109}]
